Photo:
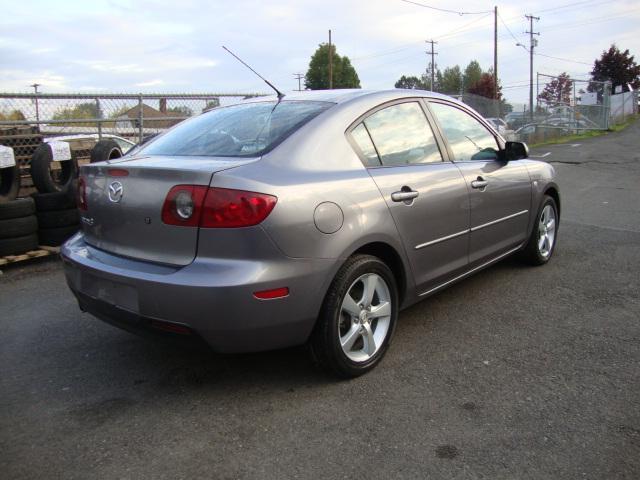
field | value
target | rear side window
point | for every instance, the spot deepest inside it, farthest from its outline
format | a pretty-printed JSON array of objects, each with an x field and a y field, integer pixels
[
  {"x": 402, "y": 135},
  {"x": 468, "y": 138},
  {"x": 245, "y": 130},
  {"x": 363, "y": 140}
]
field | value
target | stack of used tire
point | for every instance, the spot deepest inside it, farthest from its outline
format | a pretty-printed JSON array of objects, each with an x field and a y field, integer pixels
[
  {"x": 55, "y": 202},
  {"x": 58, "y": 217},
  {"x": 18, "y": 227},
  {"x": 18, "y": 223}
]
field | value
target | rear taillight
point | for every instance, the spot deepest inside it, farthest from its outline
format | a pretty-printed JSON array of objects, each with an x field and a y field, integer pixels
[
  {"x": 81, "y": 198},
  {"x": 195, "y": 205},
  {"x": 183, "y": 205},
  {"x": 226, "y": 208}
]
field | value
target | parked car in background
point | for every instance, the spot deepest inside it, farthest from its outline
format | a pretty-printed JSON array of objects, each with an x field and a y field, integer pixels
[
  {"x": 499, "y": 124},
  {"x": 124, "y": 144},
  {"x": 310, "y": 219}
]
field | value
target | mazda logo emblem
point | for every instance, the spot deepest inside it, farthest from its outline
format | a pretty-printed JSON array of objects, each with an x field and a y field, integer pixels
[{"x": 115, "y": 192}]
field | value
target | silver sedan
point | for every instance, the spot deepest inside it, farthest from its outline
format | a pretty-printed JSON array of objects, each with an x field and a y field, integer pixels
[{"x": 312, "y": 219}]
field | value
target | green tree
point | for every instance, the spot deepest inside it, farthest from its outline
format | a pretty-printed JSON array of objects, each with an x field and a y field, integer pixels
[
  {"x": 411, "y": 82},
  {"x": 472, "y": 74},
  {"x": 451, "y": 82},
  {"x": 181, "y": 111},
  {"x": 343, "y": 73},
  {"x": 82, "y": 110},
  {"x": 617, "y": 67},
  {"x": 14, "y": 115},
  {"x": 558, "y": 90}
]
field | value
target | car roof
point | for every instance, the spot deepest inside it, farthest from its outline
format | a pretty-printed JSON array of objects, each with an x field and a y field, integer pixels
[{"x": 345, "y": 95}]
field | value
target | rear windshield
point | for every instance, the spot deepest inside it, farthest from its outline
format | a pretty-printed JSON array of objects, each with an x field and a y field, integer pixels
[{"x": 244, "y": 130}]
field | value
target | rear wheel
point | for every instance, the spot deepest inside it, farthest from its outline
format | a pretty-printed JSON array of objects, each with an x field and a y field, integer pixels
[
  {"x": 542, "y": 242},
  {"x": 358, "y": 318}
]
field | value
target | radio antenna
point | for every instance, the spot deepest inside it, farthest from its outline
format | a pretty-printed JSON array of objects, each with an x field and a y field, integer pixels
[{"x": 278, "y": 92}]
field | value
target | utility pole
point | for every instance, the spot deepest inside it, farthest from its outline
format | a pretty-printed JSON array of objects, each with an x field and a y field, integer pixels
[
  {"x": 35, "y": 88},
  {"x": 433, "y": 64},
  {"x": 299, "y": 77},
  {"x": 330, "y": 63},
  {"x": 495, "y": 57},
  {"x": 532, "y": 44}
]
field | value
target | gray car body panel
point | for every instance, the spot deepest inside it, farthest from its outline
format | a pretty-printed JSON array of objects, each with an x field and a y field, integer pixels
[{"x": 329, "y": 206}]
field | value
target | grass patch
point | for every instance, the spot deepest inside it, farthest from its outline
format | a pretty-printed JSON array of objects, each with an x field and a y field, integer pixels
[{"x": 593, "y": 133}]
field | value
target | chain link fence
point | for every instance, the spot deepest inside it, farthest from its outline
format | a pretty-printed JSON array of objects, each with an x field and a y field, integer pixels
[{"x": 27, "y": 120}]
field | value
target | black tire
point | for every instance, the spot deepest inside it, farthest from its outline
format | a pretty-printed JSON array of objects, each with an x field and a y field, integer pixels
[
  {"x": 21, "y": 207},
  {"x": 325, "y": 347},
  {"x": 46, "y": 202},
  {"x": 532, "y": 253},
  {"x": 54, "y": 237},
  {"x": 58, "y": 218},
  {"x": 18, "y": 245},
  {"x": 46, "y": 180},
  {"x": 9, "y": 183},
  {"x": 106, "y": 149},
  {"x": 18, "y": 227}
]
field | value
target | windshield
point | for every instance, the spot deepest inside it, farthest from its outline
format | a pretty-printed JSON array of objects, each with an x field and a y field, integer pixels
[{"x": 243, "y": 130}]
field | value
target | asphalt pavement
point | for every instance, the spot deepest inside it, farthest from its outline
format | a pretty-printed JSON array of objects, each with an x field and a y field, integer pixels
[{"x": 515, "y": 373}]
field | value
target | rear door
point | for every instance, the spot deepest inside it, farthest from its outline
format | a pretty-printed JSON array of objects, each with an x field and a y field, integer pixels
[
  {"x": 426, "y": 195},
  {"x": 499, "y": 191}
]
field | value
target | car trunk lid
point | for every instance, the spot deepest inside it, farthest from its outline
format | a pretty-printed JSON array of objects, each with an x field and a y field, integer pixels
[{"x": 124, "y": 200}]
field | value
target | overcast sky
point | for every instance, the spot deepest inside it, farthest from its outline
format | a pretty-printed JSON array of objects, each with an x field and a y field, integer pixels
[{"x": 148, "y": 46}]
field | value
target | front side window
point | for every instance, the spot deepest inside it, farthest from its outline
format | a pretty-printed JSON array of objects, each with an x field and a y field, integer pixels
[
  {"x": 244, "y": 130},
  {"x": 468, "y": 138},
  {"x": 402, "y": 135}
]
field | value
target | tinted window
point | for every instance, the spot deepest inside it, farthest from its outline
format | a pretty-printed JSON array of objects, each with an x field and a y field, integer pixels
[
  {"x": 468, "y": 138},
  {"x": 402, "y": 135},
  {"x": 363, "y": 140},
  {"x": 238, "y": 131}
]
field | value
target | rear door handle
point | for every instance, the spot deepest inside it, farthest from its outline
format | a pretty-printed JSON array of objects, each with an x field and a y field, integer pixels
[
  {"x": 404, "y": 195},
  {"x": 479, "y": 183}
]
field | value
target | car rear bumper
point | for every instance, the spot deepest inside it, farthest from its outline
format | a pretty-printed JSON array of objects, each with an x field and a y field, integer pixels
[{"x": 210, "y": 298}]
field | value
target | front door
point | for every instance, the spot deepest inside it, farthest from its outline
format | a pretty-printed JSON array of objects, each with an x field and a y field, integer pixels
[{"x": 499, "y": 191}]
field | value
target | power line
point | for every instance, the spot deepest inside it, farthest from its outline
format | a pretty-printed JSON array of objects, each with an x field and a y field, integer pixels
[
  {"x": 444, "y": 9},
  {"x": 563, "y": 59}
]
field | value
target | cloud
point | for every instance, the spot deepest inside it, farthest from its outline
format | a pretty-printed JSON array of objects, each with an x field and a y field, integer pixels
[
  {"x": 119, "y": 45},
  {"x": 150, "y": 83}
]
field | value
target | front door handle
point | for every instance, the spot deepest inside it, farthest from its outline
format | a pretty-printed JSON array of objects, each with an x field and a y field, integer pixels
[
  {"x": 480, "y": 183},
  {"x": 404, "y": 195}
]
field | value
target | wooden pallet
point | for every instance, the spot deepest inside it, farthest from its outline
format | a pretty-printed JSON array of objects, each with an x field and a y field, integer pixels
[{"x": 43, "y": 251}]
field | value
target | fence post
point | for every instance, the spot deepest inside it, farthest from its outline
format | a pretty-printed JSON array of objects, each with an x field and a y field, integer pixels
[
  {"x": 140, "y": 119},
  {"x": 99, "y": 115}
]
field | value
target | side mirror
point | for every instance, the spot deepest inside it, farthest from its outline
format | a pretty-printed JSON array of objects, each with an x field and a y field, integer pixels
[{"x": 516, "y": 151}]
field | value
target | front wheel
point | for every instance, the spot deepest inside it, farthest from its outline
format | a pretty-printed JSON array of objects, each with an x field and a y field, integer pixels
[
  {"x": 542, "y": 242},
  {"x": 358, "y": 318}
]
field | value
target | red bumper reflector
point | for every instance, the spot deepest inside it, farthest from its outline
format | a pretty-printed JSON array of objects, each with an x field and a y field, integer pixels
[
  {"x": 271, "y": 294},
  {"x": 171, "y": 327}
]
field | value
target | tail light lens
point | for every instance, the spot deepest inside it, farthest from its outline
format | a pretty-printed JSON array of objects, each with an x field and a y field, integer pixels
[
  {"x": 183, "y": 205},
  {"x": 194, "y": 205},
  {"x": 226, "y": 208},
  {"x": 81, "y": 198}
]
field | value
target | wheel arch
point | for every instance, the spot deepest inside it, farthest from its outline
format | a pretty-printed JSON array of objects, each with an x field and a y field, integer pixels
[
  {"x": 390, "y": 256},
  {"x": 553, "y": 192}
]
